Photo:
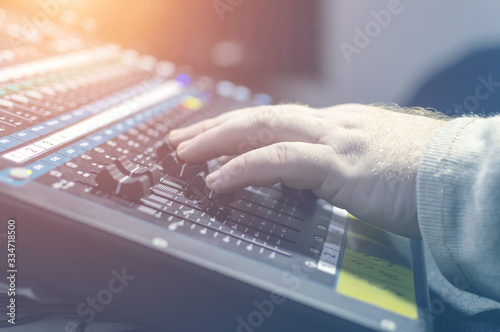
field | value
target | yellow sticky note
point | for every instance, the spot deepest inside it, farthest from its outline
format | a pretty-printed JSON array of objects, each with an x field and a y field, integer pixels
[{"x": 378, "y": 282}]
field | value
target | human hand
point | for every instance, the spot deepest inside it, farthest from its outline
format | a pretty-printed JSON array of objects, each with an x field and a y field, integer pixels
[{"x": 357, "y": 157}]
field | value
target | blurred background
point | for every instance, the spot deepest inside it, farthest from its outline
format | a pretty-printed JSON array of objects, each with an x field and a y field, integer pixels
[
  {"x": 440, "y": 54},
  {"x": 320, "y": 52}
]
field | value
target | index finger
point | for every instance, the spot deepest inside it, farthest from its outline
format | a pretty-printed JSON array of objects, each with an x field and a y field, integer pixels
[{"x": 183, "y": 134}]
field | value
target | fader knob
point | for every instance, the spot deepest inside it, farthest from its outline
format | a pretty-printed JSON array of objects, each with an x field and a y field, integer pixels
[
  {"x": 134, "y": 187},
  {"x": 112, "y": 179},
  {"x": 199, "y": 188},
  {"x": 135, "y": 170},
  {"x": 152, "y": 172},
  {"x": 164, "y": 149},
  {"x": 109, "y": 177},
  {"x": 176, "y": 168},
  {"x": 171, "y": 165},
  {"x": 226, "y": 198},
  {"x": 189, "y": 171}
]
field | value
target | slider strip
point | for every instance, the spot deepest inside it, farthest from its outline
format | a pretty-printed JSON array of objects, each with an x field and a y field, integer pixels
[{"x": 99, "y": 121}]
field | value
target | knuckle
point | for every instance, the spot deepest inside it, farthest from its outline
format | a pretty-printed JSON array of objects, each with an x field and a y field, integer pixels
[
  {"x": 351, "y": 145},
  {"x": 262, "y": 118},
  {"x": 209, "y": 135},
  {"x": 271, "y": 119},
  {"x": 207, "y": 124},
  {"x": 281, "y": 153}
]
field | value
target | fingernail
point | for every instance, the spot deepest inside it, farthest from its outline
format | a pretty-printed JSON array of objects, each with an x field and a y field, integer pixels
[
  {"x": 221, "y": 160},
  {"x": 183, "y": 146},
  {"x": 212, "y": 181},
  {"x": 174, "y": 134}
]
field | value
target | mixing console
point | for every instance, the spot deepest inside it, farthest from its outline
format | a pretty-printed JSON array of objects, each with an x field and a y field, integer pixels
[
  {"x": 94, "y": 123},
  {"x": 89, "y": 177}
]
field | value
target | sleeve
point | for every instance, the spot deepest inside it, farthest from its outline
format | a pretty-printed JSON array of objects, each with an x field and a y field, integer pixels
[{"x": 458, "y": 202}]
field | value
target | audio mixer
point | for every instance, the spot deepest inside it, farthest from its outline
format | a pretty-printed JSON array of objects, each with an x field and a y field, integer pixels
[{"x": 89, "y": 176}]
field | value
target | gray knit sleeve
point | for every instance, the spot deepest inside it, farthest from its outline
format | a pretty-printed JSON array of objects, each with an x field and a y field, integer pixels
[{"x": 458, "y": 201}]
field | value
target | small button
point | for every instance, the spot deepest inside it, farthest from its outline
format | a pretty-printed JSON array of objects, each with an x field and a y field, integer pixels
[
  {"x": 9, "y": 142},
  {"x": 39, "y": 81},
  {"x": 319, "y": 238},
  {"x": 311, "y": 264},
  {"x": 27, "y": 85},
  {"x": 72, "y": 84},
  {"x": 6, "y": 103},
  {"x": 71, "y": 152},
  {"x": 13, "y": 88},
  {"x": 52, "y": 78},
  {"x": 25, "y": 135},
  {"x": 56, "y": 159},
  {"x": 39, "y": 168},
  {"x": 20, "y": 99},
  {"x": 34, "y": 94},
  {"x": 48, "y": 90},
  {"x": 314, "y": 250},
  {"x": 60, "y": 87},
  {"x": 19, "y": 173}
]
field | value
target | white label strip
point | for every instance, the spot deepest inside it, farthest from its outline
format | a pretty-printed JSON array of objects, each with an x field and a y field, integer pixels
[
  {"x": 331, "y": 250},
  {"x": 99, "y": 121}
]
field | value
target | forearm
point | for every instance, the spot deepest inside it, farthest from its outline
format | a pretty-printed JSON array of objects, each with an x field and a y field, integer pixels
[{"x": 458, "y": 199}]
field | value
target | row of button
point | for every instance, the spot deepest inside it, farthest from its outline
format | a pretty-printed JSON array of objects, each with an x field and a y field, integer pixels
[
  {"x": 43, "y": 97},
  {"x": 72, "y": 117},
  {"x": 130, "y": 107},
  {"x": 60, "y": 62},
  {"x": 28, "y": 106},
  {"x": 60, "y": 157}
]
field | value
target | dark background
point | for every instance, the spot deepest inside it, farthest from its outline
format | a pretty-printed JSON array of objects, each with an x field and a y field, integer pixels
[{"x": 272, "y": 37}]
